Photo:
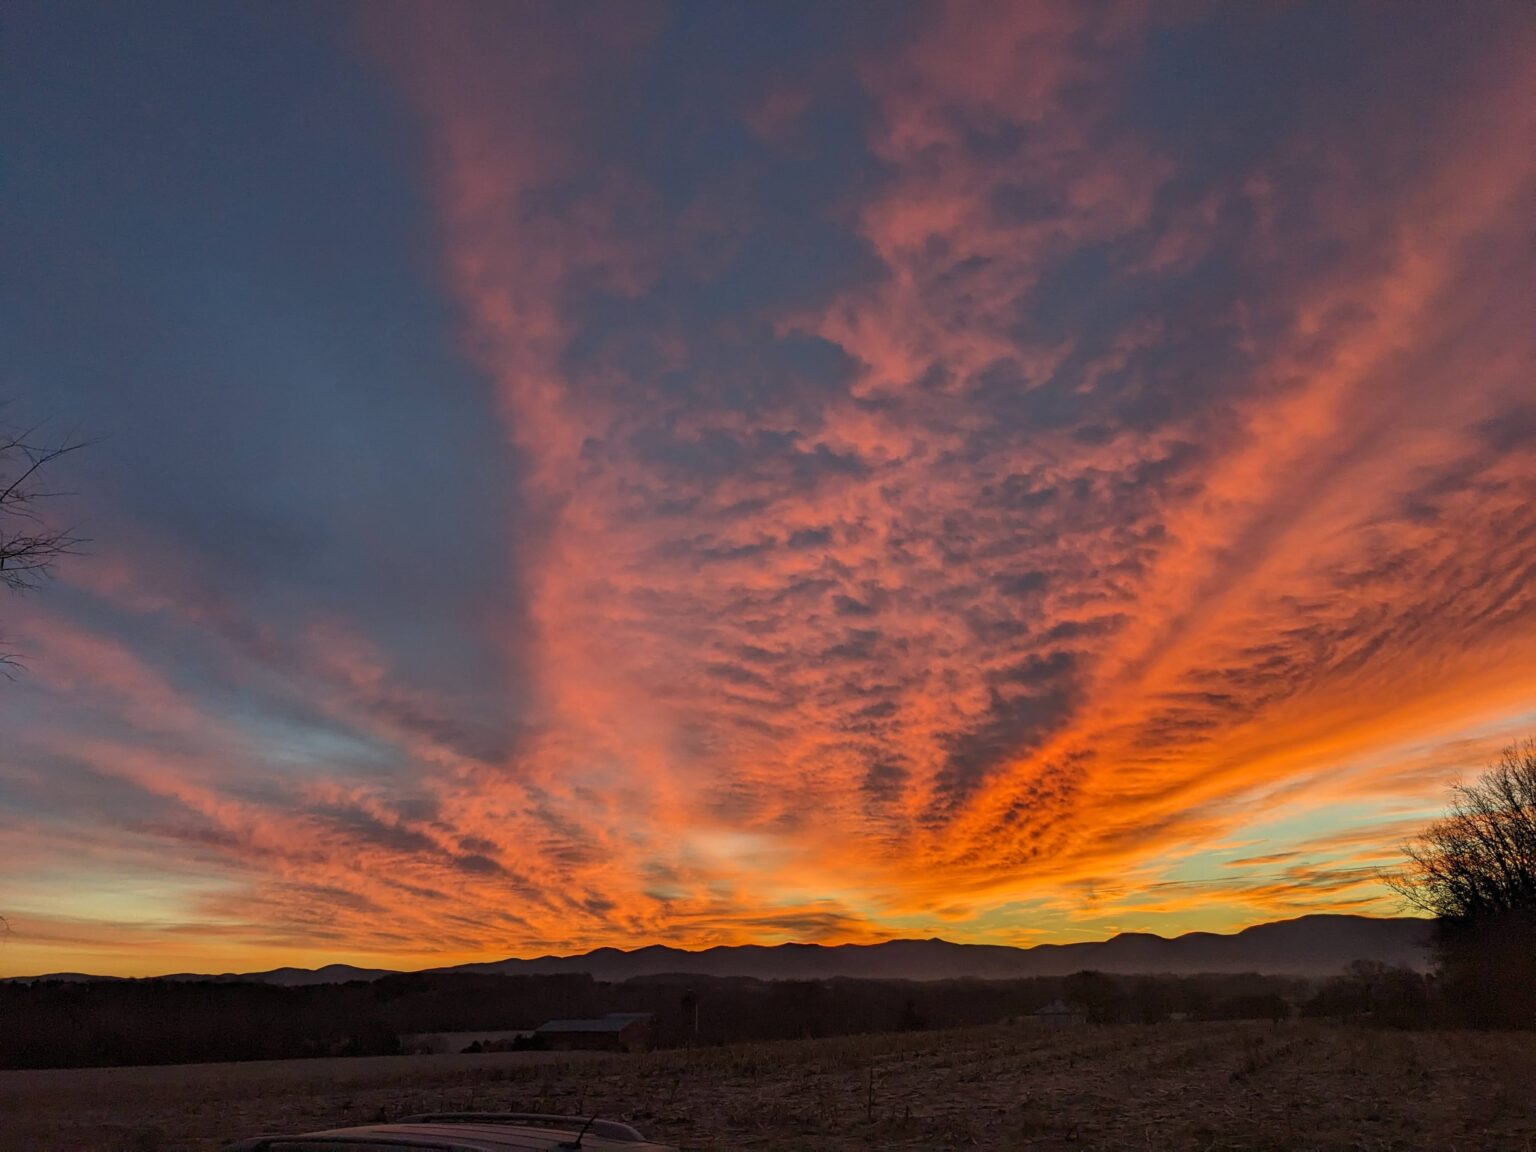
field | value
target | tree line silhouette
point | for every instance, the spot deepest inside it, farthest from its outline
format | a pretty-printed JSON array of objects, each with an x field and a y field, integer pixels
[{"x": 62, "y": 1024}]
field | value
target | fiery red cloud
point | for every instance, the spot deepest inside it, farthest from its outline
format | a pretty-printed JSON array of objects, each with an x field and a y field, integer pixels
[{"x": 1124, "y": 529}]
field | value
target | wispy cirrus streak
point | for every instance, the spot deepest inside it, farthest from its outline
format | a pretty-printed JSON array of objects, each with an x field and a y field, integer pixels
[{"x": 1013, "y": 472}]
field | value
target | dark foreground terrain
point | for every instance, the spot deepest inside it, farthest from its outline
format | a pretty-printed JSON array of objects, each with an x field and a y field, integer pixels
[{"x": 1207, "y": 1086}]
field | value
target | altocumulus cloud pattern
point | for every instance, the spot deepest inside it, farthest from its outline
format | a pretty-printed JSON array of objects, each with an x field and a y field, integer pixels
[{"x": 603, "y": 474}]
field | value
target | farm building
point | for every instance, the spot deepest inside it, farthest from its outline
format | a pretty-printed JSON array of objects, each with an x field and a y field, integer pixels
[
  {"x": 615, "y": 1032},
  {"x": 1057, "y": 1014}
]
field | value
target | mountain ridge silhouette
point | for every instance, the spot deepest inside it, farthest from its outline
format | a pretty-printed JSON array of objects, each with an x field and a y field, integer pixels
[{"x": 1313, "y": 945}]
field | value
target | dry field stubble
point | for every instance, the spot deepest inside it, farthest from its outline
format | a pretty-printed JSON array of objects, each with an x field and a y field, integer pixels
[{"x": 1186, "y": 1086}]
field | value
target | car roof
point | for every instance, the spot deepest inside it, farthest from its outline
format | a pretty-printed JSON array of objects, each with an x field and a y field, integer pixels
[{"x": 468, "y": 1132}]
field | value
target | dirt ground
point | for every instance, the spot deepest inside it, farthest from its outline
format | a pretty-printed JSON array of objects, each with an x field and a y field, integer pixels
[{"x": 1175, "y": 1086}]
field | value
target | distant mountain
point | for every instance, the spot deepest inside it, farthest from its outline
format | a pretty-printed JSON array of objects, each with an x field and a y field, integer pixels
[
  {"x": 291, "y": 977},
  {"x": 1309, "y": 946},
  {"x": 287, "y": 977}
]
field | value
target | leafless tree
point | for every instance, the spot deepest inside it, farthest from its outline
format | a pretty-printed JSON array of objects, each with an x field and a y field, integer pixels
[
  {"x": 29, "y": 544},
  {"x": 1475, "y": 871},
  {"x": 1479, "y": 861}
]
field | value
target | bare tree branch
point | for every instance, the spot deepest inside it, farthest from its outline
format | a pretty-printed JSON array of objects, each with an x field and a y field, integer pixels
[
  {"x": 1479, "y": 861},
  {"x": 29, "y": 545}
]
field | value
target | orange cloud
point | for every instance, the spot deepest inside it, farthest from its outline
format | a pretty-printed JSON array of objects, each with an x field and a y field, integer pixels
[
  {"x": 1013, "y": 606},
  {"x": 1096, "y": 511}
]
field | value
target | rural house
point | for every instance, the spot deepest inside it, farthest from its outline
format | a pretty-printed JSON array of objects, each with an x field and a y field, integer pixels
[
  {"x": 615, "y": 1032},
  {"x": 1057, "y": 1014}
]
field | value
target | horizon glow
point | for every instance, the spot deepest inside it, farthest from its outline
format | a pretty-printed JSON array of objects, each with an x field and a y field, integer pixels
[{"x": 619, "y": 474}]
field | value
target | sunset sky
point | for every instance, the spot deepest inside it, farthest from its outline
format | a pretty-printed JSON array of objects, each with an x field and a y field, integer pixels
[{"x": 611, "y": 474}]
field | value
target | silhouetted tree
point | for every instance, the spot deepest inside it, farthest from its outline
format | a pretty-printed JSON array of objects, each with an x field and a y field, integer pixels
[
  {"x": 911, "y": 1020},
  {"x": 690, "y": 1005},
  {"x": 1100, "y": 997},
  {"x": 1475, "y": 871},
  {"x": 1151, "y": 1000},
  {"x": 29, "y": 545},
  {"x": 1370, "y": 990}
]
